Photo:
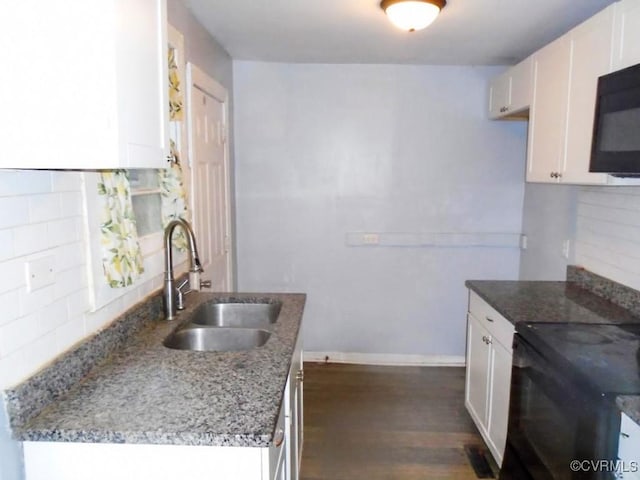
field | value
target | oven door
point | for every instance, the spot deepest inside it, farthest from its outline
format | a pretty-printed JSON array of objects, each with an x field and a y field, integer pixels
[{"x": 552, "y": 422}]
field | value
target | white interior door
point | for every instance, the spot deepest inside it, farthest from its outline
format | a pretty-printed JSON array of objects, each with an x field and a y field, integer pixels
[{"x": 210, "y": 177}]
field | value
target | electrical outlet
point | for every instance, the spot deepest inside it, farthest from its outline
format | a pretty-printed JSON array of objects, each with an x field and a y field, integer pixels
[
  {"x": 39, "y": 273},
  {"x": 370, "y": 238},
  {"x": 523, "y": 242}
]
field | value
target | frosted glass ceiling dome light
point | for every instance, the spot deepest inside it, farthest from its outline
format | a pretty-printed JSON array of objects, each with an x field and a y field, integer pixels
[{"x": 412, "y": 15}]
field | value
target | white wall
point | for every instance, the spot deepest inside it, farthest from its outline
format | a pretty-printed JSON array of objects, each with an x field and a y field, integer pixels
[
  {"x": 549, "y": 219},
  {"x": 41, "y": 214},
  {"x": 323, "y": 150}
]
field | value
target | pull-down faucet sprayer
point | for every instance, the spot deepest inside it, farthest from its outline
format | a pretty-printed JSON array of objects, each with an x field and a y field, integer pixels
[{"x": 170, "y": 290}]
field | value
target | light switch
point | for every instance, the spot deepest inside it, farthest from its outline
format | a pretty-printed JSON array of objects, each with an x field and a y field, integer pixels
[{"x": 40, "y": 273}]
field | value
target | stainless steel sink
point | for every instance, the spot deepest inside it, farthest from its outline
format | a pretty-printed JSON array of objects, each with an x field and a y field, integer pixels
[
  {"x": 218, "y": 339},
  {"x": 260, "y": 314}
]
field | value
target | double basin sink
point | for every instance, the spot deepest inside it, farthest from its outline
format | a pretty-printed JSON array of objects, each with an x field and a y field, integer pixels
[{"x": 227, "y": 326}]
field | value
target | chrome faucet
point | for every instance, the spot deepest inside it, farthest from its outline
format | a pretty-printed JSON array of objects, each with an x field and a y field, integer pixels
[{"x": 170, "y": 291}]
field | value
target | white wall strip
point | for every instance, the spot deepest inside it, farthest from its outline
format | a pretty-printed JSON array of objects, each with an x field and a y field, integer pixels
[{"x": 427, "y": 239}]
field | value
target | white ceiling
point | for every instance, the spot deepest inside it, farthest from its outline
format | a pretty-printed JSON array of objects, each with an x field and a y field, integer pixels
[{"x": 467, "y": 32}]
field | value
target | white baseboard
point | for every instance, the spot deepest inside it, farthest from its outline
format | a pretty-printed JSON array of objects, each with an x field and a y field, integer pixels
[{"x": 386, "y": 359}]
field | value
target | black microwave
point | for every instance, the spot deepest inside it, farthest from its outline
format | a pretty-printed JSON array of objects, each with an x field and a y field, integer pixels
[{"x": 615, "y": 147}]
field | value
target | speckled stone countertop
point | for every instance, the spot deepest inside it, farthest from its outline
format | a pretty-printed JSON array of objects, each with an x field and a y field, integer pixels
[
  {"x": 144, "y": 392},
  {"x": 630, "y": 404},
  {"x": 554, "y": 302}
]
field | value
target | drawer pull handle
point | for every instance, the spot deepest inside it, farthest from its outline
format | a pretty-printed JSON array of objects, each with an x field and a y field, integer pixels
[
  {"x": 624, "y": 435},
  {"x": 489, "y": 319},
  {"x": 278, "y": 437}
]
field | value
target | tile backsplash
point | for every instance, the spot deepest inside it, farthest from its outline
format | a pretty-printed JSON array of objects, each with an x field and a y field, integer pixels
[
  {"x": 608, "y": 233},
  {"x": 42, "y": 216}
]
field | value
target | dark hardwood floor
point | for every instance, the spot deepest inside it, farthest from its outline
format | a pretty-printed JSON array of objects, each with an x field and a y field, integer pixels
[{"x": 386, "y": 423}]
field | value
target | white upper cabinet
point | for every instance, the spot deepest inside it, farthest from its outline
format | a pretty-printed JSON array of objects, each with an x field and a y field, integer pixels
[
  {"x": 591, "y": 47},
  {"x": 564, "y": 94},
  {"x": 548, "y": 114},
  {"x": 626, "y": 47},
  {"x": 510, "y": 93},
  {"x": 85, "y": 84}
]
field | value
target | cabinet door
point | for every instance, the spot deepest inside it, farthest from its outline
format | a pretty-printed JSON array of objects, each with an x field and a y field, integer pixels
[
  {"x": 521, "y": 85},
  {"x": 591, "y": 50},
  {"x": 499, "y": 392},
  {"x": 104, "y": 102},
  {"x": 477, "y": 375},
  {"x": 627, "y": 34},
  {"x": 143, "y": 97},
  {"x": 500, "y": 95},
  {"x": 294, "y": 412},
  {"x": 548, "y": 115}
]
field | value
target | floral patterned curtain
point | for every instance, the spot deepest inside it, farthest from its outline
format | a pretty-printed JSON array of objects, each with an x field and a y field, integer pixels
[
  {"x": 174, "y": 197},
  {"x": 121, "y": 256},
  {"x": 171, "y": 180}
]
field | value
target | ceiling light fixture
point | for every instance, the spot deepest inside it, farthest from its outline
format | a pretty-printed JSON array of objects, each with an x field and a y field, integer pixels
[{"x": 412, "y": 15}]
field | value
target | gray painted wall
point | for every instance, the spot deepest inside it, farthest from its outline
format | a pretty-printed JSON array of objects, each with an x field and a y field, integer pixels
[
  {"x": 548, "y": 219},
  {"x": 324, "y": 150}
]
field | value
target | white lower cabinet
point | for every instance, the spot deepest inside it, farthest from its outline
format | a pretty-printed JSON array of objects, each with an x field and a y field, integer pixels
[
  {"x": 488, "y": 375},
  {"x": 106, "y": 461},
  {"x": 294, "y": 413},
  {"x": 629, "y": 449}
]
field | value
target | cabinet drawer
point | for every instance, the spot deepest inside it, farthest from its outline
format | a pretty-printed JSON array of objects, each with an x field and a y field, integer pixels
[{"x": 499, "y": 327}]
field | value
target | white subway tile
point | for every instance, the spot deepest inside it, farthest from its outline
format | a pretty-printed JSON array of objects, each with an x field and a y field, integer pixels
[
  {"x": 13, "y": 369},
  {"x": 71, "y": 203},
  {"x": 10, "y": 306},
  {"x": 69, "y": 256},
  {"x": 33, "y": 301},
  {"x": 66, "y": 181},
  {"x": 44, "y": 207},
  {"x": 54, "y": 315},
  {"x": 6, "y": 245},
  {"x": 130, "y": 298},
  {"x": 78, "y": 303},
  {"x": 14, "y": 211},
  {"x": 24, "y": 182},
  {"x": 30, "y": 239},
  {"x": 70, "y": 281},
  {"x": 64, "y": 231},
  {"x": 95, "y": 321},
  {"x": 22, "y": 331},
  {"x": 41, "y": 352},
  {"x": 70, "y": 333},
  {"x": 12, "y": 274}
]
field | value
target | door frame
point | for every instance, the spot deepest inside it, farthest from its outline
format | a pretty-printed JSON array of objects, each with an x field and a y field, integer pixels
[{"x": 198, "y": 79}]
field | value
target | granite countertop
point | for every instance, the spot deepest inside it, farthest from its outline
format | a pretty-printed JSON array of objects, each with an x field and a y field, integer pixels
[
  {"x": 555, "y": 302},
  {"x": 630, "y": 404},
  {"x": 539, "y": 301},
  {"x": 146, "y": 393}
]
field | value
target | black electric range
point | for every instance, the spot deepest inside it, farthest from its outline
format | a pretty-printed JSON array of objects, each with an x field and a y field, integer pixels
[
  {"x": 565, "y": 378},
  {"x": 602, "y": 358}
]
